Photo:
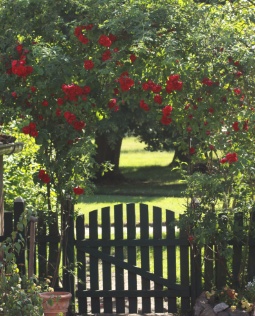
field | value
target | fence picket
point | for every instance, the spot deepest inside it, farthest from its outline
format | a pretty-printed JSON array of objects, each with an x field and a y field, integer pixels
[
  {"x": 131, "y": 234},
  {"x": 251, "y": 248},
  {"x": 184, "y": 268},
  {"x": 237, "y": 250},
  {"x": 94, "y": 264},
  {"x": 158, "y": 255},
  {"x": 119, "y": 272},
  {"x": 107, "y": 274},
  {"x": 145, "y": 255},
  {"x": 171, "y": 258},
  {"x": 81, "y": 270}
]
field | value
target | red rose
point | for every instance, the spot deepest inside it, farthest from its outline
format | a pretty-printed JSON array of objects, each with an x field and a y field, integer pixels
[
  {"x": 245, "y": 126},
  {"x": 19, "y": 48},
  {"x": 78, "y": 190},
  {"x": 105, "y": 41},
  {"x": 207, "y": 82},
  {"x": 167, "y": 110},
  {"x": 88, "y": 64},
  {"x": 112, "y": 103},
  {"x": 132, "y": 58},
  {"x": 191, "y": 238},
  {"x": 173, "y": 83},
  {"x": 70, "y": 117},
  {"x": 156, "y": 88},
  {"x": 106, "y": 55},
  {"x": 112, "y": 37},
  {"x": 45, "y": 103},
  {"x": 192, "y": 150},
  {"x": 60, "y": 101},
  {"x": 144, "y": 106},
  {"x": 235, "y": 126},
  {"x": 237, "y": 91},
  {"x": 83, "y": 39},
  {"x": 78, "y": 125},
  {"x": 43, "y": 176},
  {"x": 158, "y": 99},
  {"x": 166, "y": 120},
  {"x": 125, "y": 82},
  {"x": 232, "y": 157}
]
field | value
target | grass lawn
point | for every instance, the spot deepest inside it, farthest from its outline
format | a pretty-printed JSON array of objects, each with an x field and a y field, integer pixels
[{"x": 148, "y": 179}]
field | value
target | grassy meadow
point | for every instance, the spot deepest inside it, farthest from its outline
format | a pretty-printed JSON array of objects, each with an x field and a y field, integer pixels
[{"x": 148, "y": 179}]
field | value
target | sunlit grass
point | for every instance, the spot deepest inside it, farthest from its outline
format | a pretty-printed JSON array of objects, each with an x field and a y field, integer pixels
[{"x": 149, "y": 180}]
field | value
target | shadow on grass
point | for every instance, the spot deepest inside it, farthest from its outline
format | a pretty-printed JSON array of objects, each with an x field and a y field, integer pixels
[{"x": 145, "y": 181}]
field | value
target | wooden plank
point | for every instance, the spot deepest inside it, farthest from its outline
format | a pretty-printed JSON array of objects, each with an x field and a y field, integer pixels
[
  {"x": 93, "y": 261},
  {"x": 131, "y": 234},
  {"x": 128, "y": 293},
  {"x": 158, "y": 255},
  {"x": 119, "y": 271},
  {"x": 107, "y": 274},
  {"x": 145, "y": 256},
  {"x": 171, "y": 257},
  {"x": 53, "y": 246},
  {"x": 251, "y": 248},
  {"x": 220, "y": 263},
  {"x": 134, "y": 242},
  {"x": 184, "y": 271},
  {"x": 136, "y": 270},
  {"x": 81, "y": 273},
  {"x": 237, "y": 251}
]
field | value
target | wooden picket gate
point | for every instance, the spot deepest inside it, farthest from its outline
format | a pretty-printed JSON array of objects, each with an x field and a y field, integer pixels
[
  {"x": 117, "y": 256},
  {"x": 125, "y": 267}
]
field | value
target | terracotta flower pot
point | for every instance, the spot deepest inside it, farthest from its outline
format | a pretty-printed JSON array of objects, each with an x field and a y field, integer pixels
[{"x": 55, "y": 303}]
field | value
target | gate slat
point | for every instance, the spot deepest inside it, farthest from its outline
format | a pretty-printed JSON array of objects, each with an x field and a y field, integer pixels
[
  {"x": 184, "y": 270},
  {"x": 171, "y": 258},
  {"x": 221, "y": 263},
  {"x": 158, "y": 255},
  {"x": 251, "y": 251},
  {"x": 145, "y": 257},
  {"x": 94, "y": 277},
  {"x": 237, "y": 251},
  {"x": 107, "y": 275},
  {"x": 131, "y": 234},
  {"x": 119, "y": 272},
  {"x": 81, "y": 257}
]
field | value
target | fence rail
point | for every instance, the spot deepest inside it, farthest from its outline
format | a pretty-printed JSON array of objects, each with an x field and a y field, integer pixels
[{"x": 123, "y": 267}]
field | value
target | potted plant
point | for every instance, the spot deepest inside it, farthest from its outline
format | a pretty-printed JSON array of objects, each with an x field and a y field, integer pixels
[{"x": 55, "y": 303}]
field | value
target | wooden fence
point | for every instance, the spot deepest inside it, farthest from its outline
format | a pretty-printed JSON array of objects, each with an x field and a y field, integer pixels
[{"x": 123, "y": 267}]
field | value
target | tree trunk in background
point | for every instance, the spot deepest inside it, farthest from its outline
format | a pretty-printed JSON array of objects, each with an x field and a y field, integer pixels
[
  {"x": 106, "y": 152},
  {"x": 179, "y": 156}
]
